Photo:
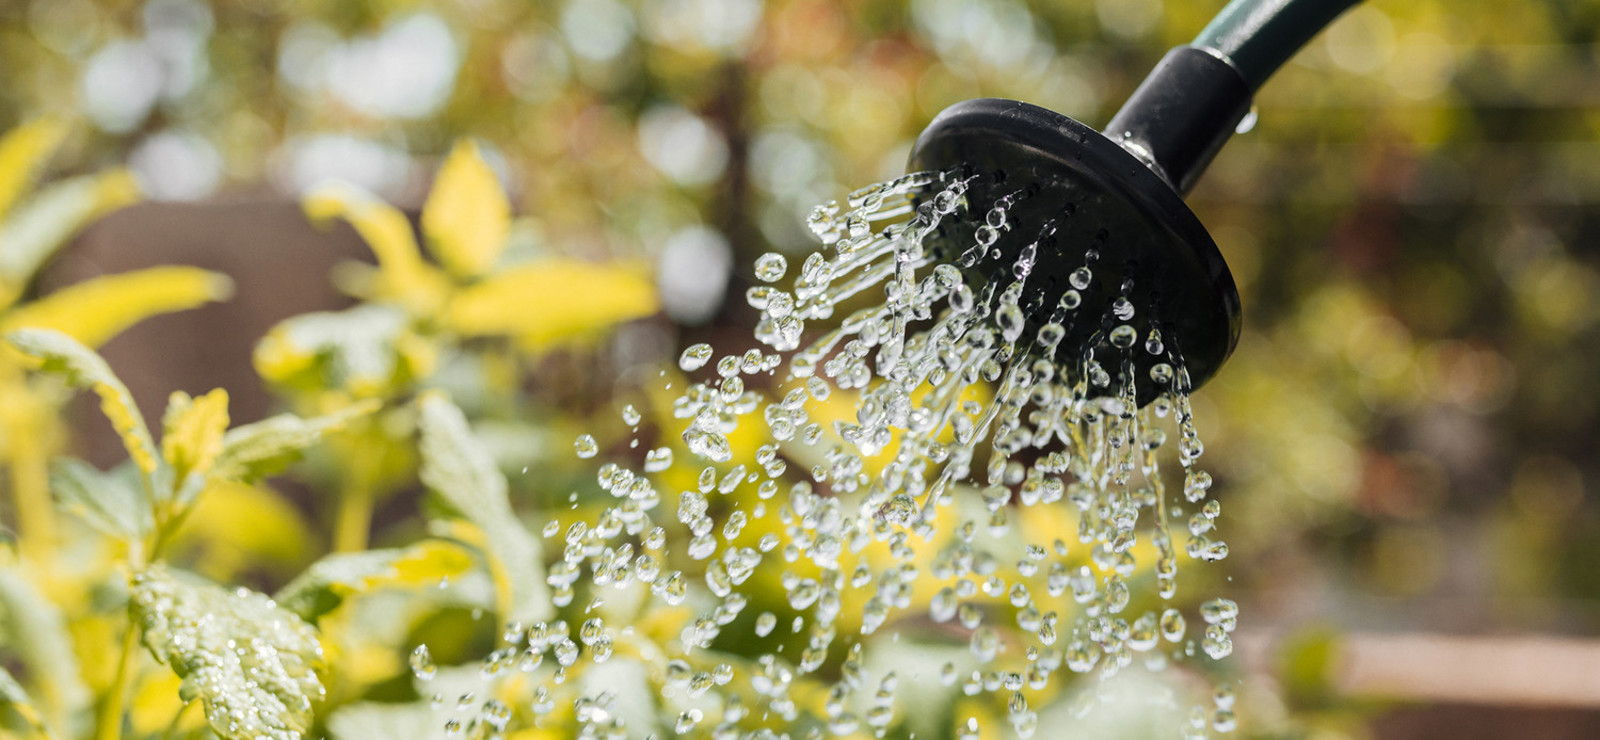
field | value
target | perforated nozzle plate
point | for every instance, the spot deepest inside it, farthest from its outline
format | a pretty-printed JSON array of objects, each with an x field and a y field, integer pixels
[{"x": 1099, "y": 196}]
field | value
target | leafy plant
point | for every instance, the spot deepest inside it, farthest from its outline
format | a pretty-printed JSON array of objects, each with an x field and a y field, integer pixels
[
  {"x": 251, "y": 663},
  {"x": 32, "y": 229}
]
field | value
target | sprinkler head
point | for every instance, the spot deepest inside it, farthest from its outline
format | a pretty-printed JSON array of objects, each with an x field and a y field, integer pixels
[{"x": 1085, "y": 200}]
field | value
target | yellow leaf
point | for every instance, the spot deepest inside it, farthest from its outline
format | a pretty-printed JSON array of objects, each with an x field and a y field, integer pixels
[
  {"x": 467, "y": 216},
  {"x": 404, "y": 276},
  {"x": 235, "y": 526},
  {"x": 548, "y": 302},
  {"x": 156, "y": 702},
  {"x": 23, "y": 151},
  {"x": 192, "y": 432},
  {"x": 97, "y": 309}
]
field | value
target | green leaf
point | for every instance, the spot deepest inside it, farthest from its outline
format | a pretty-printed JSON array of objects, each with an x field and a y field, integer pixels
[
  {"x": 326, "y": 584},
  {"x": 360, "y": 349},
  {"x": 37, "y": 631},
  {"x": 83, "y": 368},
  {"x": 457, "y": 467},
  {"x": 253, "y": 451},
  {"x": 111, "y": 502},
  {"x": 369, "y": 720},
  {"x": 252, "y": 664}
]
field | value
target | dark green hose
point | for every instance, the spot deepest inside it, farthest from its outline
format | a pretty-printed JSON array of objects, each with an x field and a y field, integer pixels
[{"x": 1258, "y": 36}]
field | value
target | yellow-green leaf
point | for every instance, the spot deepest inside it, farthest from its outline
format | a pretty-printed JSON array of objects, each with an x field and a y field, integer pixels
[
  {"x": 110, "y": 502},
  {"x": 276, "y": 541},
  {"x": 98, "y": 309},
  {"x": 37, "y": 631},
  {"x": 458, "y": 468},
  {"x": 467, "y": 216},
  {"x": 367, "y": 720},
  {"x": 192, "y": 430},
  {"x": 23, "y": 151},
  {"x": 360, "y": 350},
  {"x": 63, "y": 355},
  {"x": 404, "y": 277},
  {"x": 329, "y": 581},
  {"x": 254, "y": 664},
  {"x": 42, "y": 224},
  {"x": 551, "y": 301},
  {"x": 14, "y": 698},
  {"x": 265, "y": 447}
]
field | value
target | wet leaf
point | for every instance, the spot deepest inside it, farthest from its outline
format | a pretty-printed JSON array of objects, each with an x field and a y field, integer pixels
[
  {"x": 98, "y": 309},
  {"x": 552, "y": 301},
  {"x": 467, "y": 216},
  {"x": 252, "y": 451},
  {"x": 329, "y": 581},
  {"x": 110, "y": 502},
  {"x": 252, "y": 664},
  {"x": 83, "y": 368},
  {"x": 457, "y": 467}
]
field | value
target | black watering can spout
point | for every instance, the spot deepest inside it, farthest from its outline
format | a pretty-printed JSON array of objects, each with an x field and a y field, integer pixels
[
  {"x": 1192, "y": 101},
  {"x": 1112, "y": 202}
]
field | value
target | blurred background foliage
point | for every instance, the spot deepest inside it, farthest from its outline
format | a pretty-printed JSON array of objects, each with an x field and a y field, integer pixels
[{"x": 1406, "y": 436}]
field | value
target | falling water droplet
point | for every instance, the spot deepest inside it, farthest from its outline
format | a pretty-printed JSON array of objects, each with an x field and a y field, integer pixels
[
  {"x": 695, "y": 357},
  {"x": 586, "y": 446}
]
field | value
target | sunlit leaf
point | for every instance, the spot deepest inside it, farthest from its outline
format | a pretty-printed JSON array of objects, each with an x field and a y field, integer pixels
[
  {"x": 463, "y": 473},
  {"x": 98, "y": 309},
  {"x": 192, "y": 430},
  {"x": 467, "y": 216},
  {"x": 37, "y": 631},
  {"x": 277, "y": 539},
  {"x": 23, "y": 152},
  {"x": 252, "y": 451},
  {"x": 551, "y": 301},
  {"x": 42, "y": 224},
  {"x": 110, "y": 502},
  {"x": 405, "y": 277},
  {"x": 362, "y": 349},
  {"x": 369, "y": 720},
  {"x": 251, "y": 663},
  {"x": 330, "y": 580},
  {"x": 83, "y": 368}
]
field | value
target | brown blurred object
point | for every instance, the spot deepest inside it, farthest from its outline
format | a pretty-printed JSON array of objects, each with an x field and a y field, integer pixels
[{"x": 279, "y": 264}]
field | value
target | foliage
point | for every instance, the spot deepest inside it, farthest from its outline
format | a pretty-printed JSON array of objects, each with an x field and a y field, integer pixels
[{"x": 1408, "y": 420}]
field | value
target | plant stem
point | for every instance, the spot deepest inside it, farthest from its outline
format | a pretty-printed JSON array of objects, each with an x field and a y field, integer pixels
[
  {"x": 359, "y": 492},
  {"x": 354, "y": 520},
  {"x": 109, "y": 724},
  {"x": 177, "y": 719}
]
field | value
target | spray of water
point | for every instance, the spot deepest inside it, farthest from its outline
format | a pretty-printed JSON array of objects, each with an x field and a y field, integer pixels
[{"x": 989, "y": 486}]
